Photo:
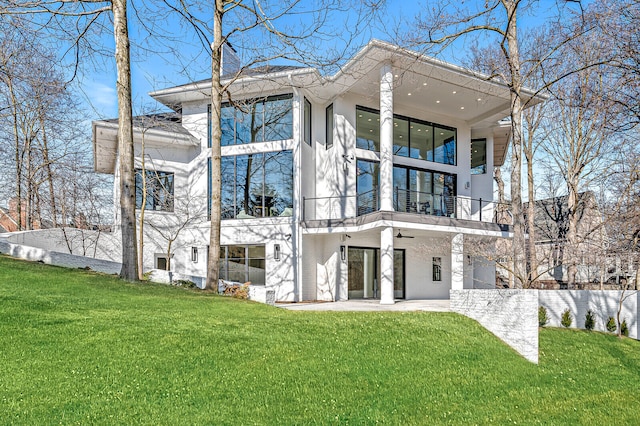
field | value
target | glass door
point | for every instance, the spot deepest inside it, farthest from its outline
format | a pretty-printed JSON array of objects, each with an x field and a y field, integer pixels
[{"x": 364, "y": 273}]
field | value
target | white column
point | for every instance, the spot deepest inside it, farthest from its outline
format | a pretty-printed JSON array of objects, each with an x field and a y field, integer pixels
[
  {"x": 386, "y": 138},
  {"x": 457, "y": 262},
  {"x": 386, "y": 266}
]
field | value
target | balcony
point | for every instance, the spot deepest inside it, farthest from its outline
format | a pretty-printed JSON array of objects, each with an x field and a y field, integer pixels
[{"x": 411, "y": 206}]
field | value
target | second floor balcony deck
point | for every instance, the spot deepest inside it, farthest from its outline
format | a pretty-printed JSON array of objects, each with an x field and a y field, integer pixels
[{"x": 409, "y": 206}]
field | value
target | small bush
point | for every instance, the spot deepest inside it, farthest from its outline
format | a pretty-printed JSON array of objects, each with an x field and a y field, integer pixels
[
  {"x": 611, "y": 325},
  {"x": 184, "y": 283},
  {"x": 543, "y": 318},
  {"x": 566, "y": 318},
  {"x": 624, "y": 328},
  {"x": 589, "y": 321}
]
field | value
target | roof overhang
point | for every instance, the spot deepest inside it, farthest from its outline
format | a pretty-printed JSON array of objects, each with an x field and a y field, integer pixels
[{"x": 105, "y": 142}]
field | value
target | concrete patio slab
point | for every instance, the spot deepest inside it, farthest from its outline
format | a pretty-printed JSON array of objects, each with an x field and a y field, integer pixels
[{"x": 438, "y": 305}]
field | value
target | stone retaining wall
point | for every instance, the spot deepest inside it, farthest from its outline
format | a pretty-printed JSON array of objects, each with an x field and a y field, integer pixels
[{"x": 512, "y": 315}]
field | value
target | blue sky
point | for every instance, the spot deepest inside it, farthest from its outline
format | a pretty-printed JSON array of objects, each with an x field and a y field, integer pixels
[{"x": 157, "y": 70}]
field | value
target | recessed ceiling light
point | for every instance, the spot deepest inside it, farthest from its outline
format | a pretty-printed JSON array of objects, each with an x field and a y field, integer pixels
[
  {"x": 368, "y": 119},
  {"x": 441, "y": 133},
  {"x": 424, "y": 84},
  {"x": 360, "y": 115},
  {"x": 400, "y": 136},
  {"x": 454, "y": 92},
  {"x": 419, "y": 130},
  {"x": 371, "y": 131},
  {"x": 437, "y": 102},
  {"x": 412, "y": 127},
  {"x": 479, "y": 99},
  {"x": 396, "y": 75},
  {"x": 461, "y": 107},
  {"x": 409, "y": 94}
]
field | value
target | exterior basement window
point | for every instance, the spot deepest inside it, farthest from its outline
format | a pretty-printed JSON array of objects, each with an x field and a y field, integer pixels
[
  {"x": 437, "y": 269},
  {"x": 159, "y": 190},
  {"x": 243, "y": 263}
]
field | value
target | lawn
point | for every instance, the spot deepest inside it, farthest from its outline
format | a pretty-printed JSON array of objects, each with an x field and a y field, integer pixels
[{"x": 82, "y": 348}]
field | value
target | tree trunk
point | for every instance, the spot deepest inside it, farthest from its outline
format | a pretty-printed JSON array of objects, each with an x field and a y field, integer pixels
[
  {"x": 213, "y": 266},
  {"x": 125, "y": 143},
  {"x": 532, "y": 258},
  {"x": 143, "y": 179},
  {"x": 513, "y": 59},
  {"x": 571, "y": 254}
]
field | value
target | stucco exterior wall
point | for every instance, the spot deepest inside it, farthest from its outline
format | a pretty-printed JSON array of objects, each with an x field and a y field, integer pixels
[
  {"x": 512, "y": 315},
  {"x": 603, "y": 303}
]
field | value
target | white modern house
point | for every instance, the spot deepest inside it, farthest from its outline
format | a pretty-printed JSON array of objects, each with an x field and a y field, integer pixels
[{"x": 364, "y": 184}]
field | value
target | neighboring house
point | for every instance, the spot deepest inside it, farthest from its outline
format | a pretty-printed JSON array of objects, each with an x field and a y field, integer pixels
[
  {"x": 9, "y": 217},
  {"x": 363, "y": 184},
  {"x": 553, "y": 251}
]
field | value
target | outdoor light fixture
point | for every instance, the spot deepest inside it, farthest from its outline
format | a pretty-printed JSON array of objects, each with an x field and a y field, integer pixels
[
  {"x": 194, "y": 254},
  {"x": 343, "y": 253},
  {"x": 276, "y": 252}
]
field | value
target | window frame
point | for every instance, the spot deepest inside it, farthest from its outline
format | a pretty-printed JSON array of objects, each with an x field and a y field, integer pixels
[
  {"x": 480, "y": 169},
  {"x": 307, "y": 118},
  {"x": 329, "y": 125},
  {"x": 156, "y": 200},
  {"x": 436, "y": 263},
  {"x": 411, "y": 120}
]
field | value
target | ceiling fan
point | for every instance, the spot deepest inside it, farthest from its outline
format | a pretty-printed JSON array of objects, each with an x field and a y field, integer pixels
[{"x": 403, "y": 236}]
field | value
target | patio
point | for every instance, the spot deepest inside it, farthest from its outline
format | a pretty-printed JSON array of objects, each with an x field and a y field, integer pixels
[{"x": 435, "y": 305}]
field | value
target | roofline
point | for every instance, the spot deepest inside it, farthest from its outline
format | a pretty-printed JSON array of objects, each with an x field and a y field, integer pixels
[
  {"x": 149, "y": 132},
  {"x": 447, "y": 66},
  {"x": 206, "y": 84}
]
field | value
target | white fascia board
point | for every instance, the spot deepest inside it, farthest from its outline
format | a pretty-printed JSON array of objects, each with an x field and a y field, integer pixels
[
  {"x": 376, "y": 52},
  {"x": 156, "y": 135},
  {"x": 240, "y": 86},
  {"x": 408, "y": 226}
]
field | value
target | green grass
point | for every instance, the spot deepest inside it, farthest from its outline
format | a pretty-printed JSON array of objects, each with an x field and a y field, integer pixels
[{"x": 82, "y": 348}]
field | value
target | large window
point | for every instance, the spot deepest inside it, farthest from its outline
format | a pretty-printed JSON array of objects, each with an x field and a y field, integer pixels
[
  {"x": 411, "y": 137},
  {"x": 257, "y": 185},
  {"x": 478, "y": 156},
  {"x": 256, "y": 120},
  {"x": 244, "y": 263},
  {"x": 159, "y": 190},
  {"x": 424, "y": 191}
]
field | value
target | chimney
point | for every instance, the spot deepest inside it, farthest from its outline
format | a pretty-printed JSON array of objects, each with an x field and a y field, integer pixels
[{"x": 230, "y": 61}]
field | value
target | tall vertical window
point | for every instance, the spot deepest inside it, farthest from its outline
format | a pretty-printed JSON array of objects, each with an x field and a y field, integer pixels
[
  {"x": 411, "y": 137},
  {"x": 329, "y": 126},
  {"x": 257, "y": 185},
  {"x": 243, "y": 263},
  {"x": 367, "y": 186},
  {"x": 437, "y": 269},
  {"x": 307, "y": 121},
  {"x": 159, "y": 186},
  {"x": 478, "y": 156},
  {"x": 255, "y": 120}
]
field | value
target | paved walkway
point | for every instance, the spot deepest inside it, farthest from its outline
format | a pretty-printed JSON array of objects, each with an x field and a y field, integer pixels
[{"x": 440, "y": 305}]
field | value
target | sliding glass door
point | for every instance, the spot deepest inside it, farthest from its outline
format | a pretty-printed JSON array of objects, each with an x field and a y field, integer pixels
[{"x": 364, "y": 273}]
